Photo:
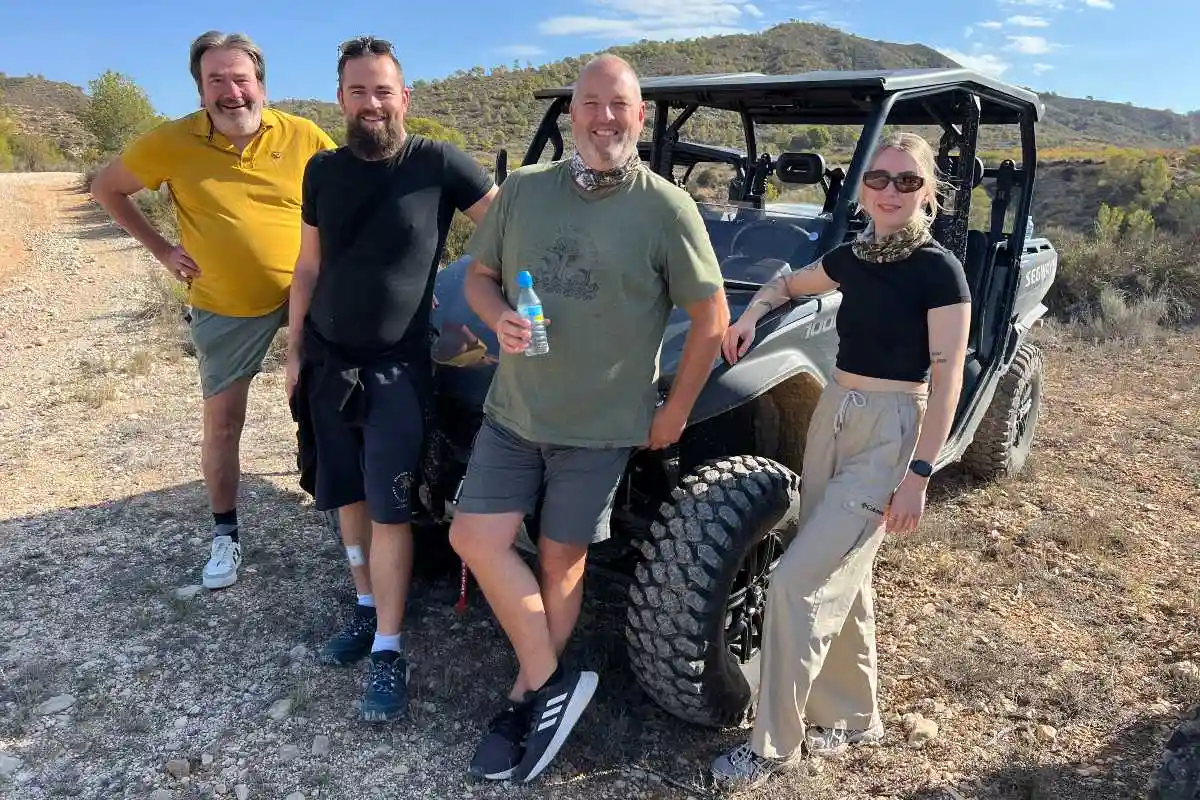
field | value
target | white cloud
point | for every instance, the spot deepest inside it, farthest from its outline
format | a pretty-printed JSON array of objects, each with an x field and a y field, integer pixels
[
  {"x": 985, "y": 63},
  {"x": 1023, "y": 21},
  {"x": 522, "y": 50},
  {"x": 991, "y": 24},
  {"x": 1107, "y": 5},
  {"x": 1031, "y": 45},
  {"x": 1039, "y": 68},
  {"x": 656, "y": 19}
]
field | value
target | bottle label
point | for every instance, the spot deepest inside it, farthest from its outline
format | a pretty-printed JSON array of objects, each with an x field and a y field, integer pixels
[{"x": 534, "y": 313}]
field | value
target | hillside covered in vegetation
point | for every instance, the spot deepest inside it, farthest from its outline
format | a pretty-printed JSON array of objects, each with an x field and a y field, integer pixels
[{"x": 496, "y": 108}]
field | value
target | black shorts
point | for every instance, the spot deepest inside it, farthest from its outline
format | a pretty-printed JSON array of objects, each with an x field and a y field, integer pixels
[
  {"x": 373, "y": 456},
  {"x": 506, "y": 473}
]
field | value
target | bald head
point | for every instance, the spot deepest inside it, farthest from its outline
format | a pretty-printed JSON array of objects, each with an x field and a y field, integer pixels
[
  {"x": 607, "y": 112},
  {"x": 607, "y": 70}
]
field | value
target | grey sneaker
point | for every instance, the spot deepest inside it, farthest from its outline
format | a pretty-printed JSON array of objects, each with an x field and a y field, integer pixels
[
  {"x": 742, "y": 768},
  {"x": 834, "y": 741}
]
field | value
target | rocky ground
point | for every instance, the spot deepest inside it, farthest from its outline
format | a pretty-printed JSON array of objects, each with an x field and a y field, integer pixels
[{"x": 1039, "y": 638}]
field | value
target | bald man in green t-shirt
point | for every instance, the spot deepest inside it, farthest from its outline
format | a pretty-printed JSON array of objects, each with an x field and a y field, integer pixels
[{"x": 612, "y": 248}]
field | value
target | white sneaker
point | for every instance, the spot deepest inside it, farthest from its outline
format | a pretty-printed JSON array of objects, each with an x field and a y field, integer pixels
[
  {"x": 742, "y": 769},
  {"x": 834, "y": 741},
  {"x": 221, "y": 569}
]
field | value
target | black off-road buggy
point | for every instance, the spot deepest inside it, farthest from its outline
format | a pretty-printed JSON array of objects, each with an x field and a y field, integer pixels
[{"x": 700, "y": 527}]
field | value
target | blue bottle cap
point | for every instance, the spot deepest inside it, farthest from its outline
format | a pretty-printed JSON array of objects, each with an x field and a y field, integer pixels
[{"x": 524, "y": 279}]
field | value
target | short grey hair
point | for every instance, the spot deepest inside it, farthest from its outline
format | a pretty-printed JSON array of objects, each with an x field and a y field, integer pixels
[{"x": 215, "y": 40}]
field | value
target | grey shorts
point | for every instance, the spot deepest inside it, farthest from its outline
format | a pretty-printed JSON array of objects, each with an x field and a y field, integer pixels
[
  {"x": 232, "y": 348},
  {"x": 576, "y": 485}
]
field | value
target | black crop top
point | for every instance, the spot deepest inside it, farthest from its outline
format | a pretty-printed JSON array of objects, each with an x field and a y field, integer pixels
[{"x": 883, "y": 331}]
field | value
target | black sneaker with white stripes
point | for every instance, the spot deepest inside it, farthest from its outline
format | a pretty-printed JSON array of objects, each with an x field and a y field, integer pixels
[
  {"x": 500, "y": 751},
  {"x": 557, "y": 706}
]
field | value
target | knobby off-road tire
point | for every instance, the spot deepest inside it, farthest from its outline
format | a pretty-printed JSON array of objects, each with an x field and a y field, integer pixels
[
  {"x": 1005, "y": 435},
  {"x": 703, "y": 573}
]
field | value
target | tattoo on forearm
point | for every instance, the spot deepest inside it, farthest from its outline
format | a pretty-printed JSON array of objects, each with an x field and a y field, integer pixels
[
  {"x": 773, "y": 294},
  {"x": 937, "y": 358}
]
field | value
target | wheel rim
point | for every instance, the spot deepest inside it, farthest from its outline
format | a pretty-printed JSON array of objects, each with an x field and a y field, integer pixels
[
  {"x": 1026, "y": 402},
  {"x": 745, "y": 613}
]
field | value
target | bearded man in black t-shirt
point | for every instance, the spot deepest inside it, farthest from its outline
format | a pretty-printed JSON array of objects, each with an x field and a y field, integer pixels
[{"x": 375, "y": 213}]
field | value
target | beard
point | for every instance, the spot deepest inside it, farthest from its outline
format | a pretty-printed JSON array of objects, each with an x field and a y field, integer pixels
[
  {"x": 373, "y": 141},
  {"x": 606, "y": 155},
  {"x": 236, "y": 121}
]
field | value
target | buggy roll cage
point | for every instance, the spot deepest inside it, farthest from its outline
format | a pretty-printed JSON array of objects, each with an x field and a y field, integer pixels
[{"x": 957, "y": 101}]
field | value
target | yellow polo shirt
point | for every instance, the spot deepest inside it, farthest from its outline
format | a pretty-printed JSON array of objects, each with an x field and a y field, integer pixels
[{"x": 238, "y": 213}]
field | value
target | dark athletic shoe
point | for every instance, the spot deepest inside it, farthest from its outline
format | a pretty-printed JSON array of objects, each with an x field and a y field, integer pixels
[
  {"x": 500, "y": 752},
  {"x": 386, "y": 697},
  {"x": 556, "y": 709},
  {"x": 353, "y": 642}
]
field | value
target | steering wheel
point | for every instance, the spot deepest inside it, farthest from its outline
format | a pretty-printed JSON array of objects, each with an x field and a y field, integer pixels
[{"x": 789, "y": 229}]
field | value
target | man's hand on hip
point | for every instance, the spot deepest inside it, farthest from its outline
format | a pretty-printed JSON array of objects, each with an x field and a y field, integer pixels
[{"x": 179, "y": 264}]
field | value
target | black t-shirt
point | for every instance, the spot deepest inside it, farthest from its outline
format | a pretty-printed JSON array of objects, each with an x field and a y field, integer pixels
[
  {"x": 383, "y": 226},
  {"x": 883, "y": 330}
]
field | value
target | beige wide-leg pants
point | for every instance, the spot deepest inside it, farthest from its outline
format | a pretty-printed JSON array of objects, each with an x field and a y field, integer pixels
[{"x": 819, "y": 657}]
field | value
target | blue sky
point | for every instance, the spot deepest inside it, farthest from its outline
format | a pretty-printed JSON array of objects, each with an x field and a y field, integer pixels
[{"x": 1103, "y": 48}]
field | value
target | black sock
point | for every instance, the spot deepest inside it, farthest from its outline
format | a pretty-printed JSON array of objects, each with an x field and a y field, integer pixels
[{"x": 226, "y": 524}]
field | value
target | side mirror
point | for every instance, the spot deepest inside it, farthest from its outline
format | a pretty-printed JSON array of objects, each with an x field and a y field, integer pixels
[
  {"x": 802, "y": 168},
  {"x": 501, "y": 166}
]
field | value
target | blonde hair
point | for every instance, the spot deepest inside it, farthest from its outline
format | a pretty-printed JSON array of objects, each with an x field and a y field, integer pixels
[{"x": 921, "y": 152}]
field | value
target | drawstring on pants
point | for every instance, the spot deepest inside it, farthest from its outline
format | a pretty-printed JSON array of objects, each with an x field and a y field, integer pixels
[{"x": 852, "y": 396}]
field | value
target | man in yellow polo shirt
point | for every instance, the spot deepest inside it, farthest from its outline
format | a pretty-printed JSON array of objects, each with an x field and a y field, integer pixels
[{"x": 235, "y": 169}]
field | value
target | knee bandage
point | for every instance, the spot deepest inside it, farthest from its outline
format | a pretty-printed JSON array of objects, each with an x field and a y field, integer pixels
[{"x": 355, "y": 556}]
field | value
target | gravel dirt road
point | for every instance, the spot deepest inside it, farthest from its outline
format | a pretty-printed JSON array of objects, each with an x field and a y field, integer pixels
[{"x": 1038, "y": 637}]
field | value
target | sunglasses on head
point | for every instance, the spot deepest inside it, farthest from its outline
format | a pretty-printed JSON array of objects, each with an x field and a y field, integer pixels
[
  {"x": 366, "y": 44},
  {"x": 906, "y": 182}
]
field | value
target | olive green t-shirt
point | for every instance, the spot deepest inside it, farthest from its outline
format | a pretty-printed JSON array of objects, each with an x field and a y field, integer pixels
[{"x": 608, "y": 266}]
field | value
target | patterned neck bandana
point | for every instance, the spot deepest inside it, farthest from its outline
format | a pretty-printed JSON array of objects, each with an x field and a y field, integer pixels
[
  {"x": 590, "y": 179},
  {"x": 895, "y": 246}
]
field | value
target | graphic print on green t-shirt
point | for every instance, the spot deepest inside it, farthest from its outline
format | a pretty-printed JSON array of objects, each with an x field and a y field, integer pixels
[
  {"x": 608, "y": 266},
  {"x": 567, "y": 266}
]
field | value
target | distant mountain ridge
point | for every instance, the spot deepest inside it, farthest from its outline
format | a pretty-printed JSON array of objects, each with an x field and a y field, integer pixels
[{"x": 496, "y": 108}]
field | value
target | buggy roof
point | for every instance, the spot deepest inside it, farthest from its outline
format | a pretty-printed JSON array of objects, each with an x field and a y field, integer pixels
[{"x": 835, "y": 96}]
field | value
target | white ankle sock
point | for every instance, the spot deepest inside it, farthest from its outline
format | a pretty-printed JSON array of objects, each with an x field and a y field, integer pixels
[
  {"x": 387, "y": 643},
  {"x": 366, "y": 600}
]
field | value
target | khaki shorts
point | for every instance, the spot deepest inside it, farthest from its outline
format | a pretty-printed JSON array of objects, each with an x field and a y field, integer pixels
[{"x": 232, "y": 348}]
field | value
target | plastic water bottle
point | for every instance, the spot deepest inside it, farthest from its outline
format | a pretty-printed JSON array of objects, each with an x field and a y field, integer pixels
[{"x": 530, "y": 307}]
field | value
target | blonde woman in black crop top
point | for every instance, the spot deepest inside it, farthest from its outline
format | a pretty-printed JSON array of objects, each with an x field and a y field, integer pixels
[{"x": 881, "y": 422}]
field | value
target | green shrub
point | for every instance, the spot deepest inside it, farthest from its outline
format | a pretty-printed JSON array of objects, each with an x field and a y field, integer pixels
[
  {"x": 33, "y": 153},
  {"x": 1126, "y": 277}
]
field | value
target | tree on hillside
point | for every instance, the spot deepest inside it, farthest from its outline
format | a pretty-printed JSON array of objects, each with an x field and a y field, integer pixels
[
  {"x": 117, "y": 111},
  {"x": 433, "y": 129}
]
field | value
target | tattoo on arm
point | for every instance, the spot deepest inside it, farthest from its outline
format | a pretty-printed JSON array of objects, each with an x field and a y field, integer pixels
[{"x": 937, "y": 358}]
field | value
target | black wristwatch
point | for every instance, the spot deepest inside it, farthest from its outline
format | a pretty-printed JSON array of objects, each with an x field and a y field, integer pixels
[{"x": 922, "y": 468}]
